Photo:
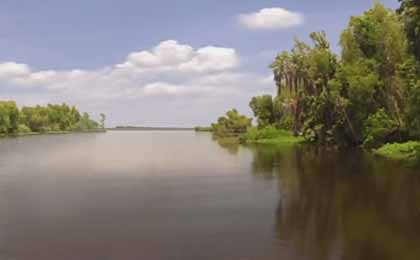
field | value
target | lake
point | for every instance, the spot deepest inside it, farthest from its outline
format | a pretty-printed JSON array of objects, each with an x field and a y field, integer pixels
[{"x": 182, "y": 195}]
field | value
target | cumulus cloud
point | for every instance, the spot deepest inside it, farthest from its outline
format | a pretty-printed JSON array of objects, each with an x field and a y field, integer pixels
[
  {"x": 170, "y": 55},
  {"x": 170, "y": 75},
  {"x": 271, "y": 18},
  {"x": 142, "y": 71},
  {"x": 167, "y": 53},
  {"x": 10, "y": 70}
]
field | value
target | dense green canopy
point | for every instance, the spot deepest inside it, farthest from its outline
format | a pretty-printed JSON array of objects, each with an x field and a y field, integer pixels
[
  {"x": 369, "y": 95},
  {"x": 231, "y": 124},
  {"x": 410, "y": 15},
  {"x": 41, "y": 119}
]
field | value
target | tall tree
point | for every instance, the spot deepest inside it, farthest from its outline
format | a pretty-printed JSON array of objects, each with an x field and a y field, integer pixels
[
  {"x": 263, "y": 109},
  {"x": 102, "y": 120},
  {"x": 410, "y": 15}
]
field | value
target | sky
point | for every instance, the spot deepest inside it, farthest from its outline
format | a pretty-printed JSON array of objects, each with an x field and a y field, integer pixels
[{"x": 155, "y": 63}]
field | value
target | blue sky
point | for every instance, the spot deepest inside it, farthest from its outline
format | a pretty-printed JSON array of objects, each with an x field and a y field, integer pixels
[{"x": 72, "y": 51}]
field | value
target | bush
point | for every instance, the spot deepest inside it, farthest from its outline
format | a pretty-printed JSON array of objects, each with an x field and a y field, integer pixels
[
  {"x": 23, "y": 129},
  {"x": 286, "y": 122},
  {"x": 255, "y": 134},
  {"x": 270, "y": 135},
  {"x": 409, "y": 151},
  {"x": 45, "y": 129},
  {"x": 379, "y": 127},
  {"x": 203, "y": 129},
  {"x": 232, "y": 124},
  {"x": 263, "y": 109}
]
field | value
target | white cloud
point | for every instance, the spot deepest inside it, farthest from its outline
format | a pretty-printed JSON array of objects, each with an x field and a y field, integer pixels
[
  {"x": 172, "y": 56},
  {"x": 12, "y": 69},
  {"x": 211, "y": 59},
  {"x": 167, "y": 53},
  {"x": 271, "y": 18},
  {"x": 176, "y": 80}
]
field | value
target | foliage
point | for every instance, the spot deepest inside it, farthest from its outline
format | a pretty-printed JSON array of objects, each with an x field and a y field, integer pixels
[
  {"x": 254, "y": 134},
  {"x": 409, "y": 151},
  {"x": 203, "y": 129},
  {"x": 304, "y": 75},
  {"x": 269, "y": 134},
  {"x": 368, "y": 95},
  {"x": 43, "y": 119},
  {"x": 379, "y": 127},
  {"x": 263, "y": 108},
  {"x": 231, "y": 124},
  {"x": 410, "y": 15},
  {"x": 409, "y": 77},
  {"x": 9, "y": 117},
  {"x": 23, "y": 129},
  {"x": 102, "y": 120},
  {"x": 85, "y": 123}
]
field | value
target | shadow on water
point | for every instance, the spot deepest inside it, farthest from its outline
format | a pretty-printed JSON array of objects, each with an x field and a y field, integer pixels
[{"x": 342, "y": 205}]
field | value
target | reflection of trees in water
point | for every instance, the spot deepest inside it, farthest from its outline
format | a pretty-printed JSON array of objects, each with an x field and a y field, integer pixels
[
  {"x": 344, "y": 205},
  {"x": 267, "y": 159},
  {"x": 231, "y": 144}
]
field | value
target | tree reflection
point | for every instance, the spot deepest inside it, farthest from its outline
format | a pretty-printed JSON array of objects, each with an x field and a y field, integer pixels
[
  {"x": 231, "y": 144},
  {"x": 343, "y": 205}
]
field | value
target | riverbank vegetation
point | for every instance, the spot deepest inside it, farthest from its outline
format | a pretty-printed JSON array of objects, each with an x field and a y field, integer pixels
[
  {"x": 50, "y": 119},
  {"x": 233, "y": 124},
  {"x": 368, "y": 96},
  {"x": 203, "y": 129},
  {"x": 270, "y": 135},
  {"x": 408, "y": 152}
]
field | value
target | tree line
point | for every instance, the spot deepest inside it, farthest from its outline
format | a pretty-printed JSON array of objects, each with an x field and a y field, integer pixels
[
  {"x": 368, "y": 95},
  {"x": 44, "y": 119}
]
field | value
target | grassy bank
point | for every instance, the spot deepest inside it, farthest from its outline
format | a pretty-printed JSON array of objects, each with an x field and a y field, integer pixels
[
  {"x": 270, "y": 135},
  {"x": 52, "y": 133},
  {"x": 406, "y": 152}
]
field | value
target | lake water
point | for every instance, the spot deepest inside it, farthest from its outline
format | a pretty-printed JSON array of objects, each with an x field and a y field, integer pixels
[{"x": 182, "y": 195}]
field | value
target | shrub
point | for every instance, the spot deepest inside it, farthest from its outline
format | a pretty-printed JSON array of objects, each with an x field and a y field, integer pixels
[
  {"x": 231, "y": 124},
  {"x": 409, "y": 151},
  {"x": 23, "y": 129},
  {"x": 378, "y": 128},
  {"x": 270, "y": 134}
]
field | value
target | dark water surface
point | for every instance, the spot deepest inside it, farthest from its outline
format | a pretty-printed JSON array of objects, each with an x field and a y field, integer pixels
[{"x": 181, "y": 195}]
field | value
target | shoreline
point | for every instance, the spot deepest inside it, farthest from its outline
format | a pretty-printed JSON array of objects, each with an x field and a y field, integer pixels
[
  {"x": 405, "y": 152},
  {"x": 16, "y": 135},
  {"x": 149, "y": 129}
]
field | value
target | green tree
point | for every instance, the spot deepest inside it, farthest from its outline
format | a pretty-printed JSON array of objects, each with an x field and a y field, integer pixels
[
  {"x": 9, "y": 117},
  {"x": 376, "y": 40},
  {"x": 102, "y": 120},
  {"x": 55, "y": 118},
  {"x": 231, "y": 124},
  {"x": 410, "y": 15},
  {"x": 333, "y": 101},
  {"x": 263, "y": 109},
  {"x": 378, "y": 129}
]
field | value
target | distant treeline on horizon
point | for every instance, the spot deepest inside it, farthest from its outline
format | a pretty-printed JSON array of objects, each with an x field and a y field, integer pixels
[{"x": 145, "y": 128}]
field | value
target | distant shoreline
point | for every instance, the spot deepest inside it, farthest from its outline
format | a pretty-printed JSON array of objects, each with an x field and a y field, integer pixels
[
  {"x": 15, "y": 135},
  {"x": 141, "y": 128}
]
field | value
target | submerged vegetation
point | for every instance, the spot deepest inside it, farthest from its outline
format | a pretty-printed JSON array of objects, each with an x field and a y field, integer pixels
[
  {"x": 44, "y": 119},
  {"x": 368, "y": 96}
]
